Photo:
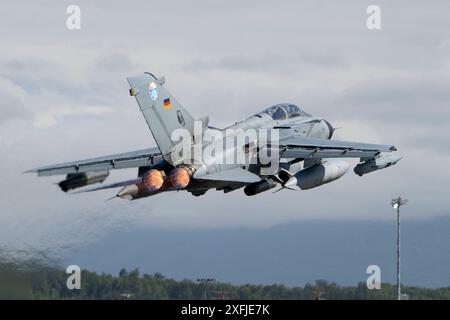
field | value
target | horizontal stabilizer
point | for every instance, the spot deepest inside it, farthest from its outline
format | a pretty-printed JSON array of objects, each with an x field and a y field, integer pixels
[{"x": 110, "y": 186}]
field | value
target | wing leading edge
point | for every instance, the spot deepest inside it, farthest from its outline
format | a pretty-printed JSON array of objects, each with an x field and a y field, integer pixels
[
  {"x": 299, "y": 147},
  {"x": 133, "y": 159}
]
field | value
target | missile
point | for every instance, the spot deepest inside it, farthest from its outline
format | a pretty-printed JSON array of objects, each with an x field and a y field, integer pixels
[
  {"x": 129, "y": 192},
  {"x": 317, "y": 175},
  {"x": 383, "y": 160},
  {"x": 139, "y": 190}
]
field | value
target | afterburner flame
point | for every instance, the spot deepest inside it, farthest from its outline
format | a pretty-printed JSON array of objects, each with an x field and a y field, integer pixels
[
  {"x": 153, "y": 180},
  {"x": 180, "y": 178}
]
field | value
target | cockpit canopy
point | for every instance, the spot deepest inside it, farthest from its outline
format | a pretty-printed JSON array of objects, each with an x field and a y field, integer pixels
[{"x": 284, "y": 111}]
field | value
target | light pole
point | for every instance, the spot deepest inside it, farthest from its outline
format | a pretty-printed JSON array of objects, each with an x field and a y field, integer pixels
[{"x": 396, "y": 204}]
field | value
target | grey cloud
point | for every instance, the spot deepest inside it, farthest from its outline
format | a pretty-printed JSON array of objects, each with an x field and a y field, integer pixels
[
  {"x": 11, "y": 102},
  {"x": 36, "y": 74},
  {"x": 113, "y": 62},
  {"x": 433, "y": 141},
  {"x": 96, "y": 86},
  {"x": 400, "y": 100},
  {"x": 288, "y": 60},
  {"x": 417, "y": 99}
]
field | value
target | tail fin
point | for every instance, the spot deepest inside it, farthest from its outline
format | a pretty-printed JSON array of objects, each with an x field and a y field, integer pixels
[{"x": 161, "y": 110}]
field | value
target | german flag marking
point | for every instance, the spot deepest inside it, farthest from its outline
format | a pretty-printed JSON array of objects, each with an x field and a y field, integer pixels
[{"x": 167, "y": 104}]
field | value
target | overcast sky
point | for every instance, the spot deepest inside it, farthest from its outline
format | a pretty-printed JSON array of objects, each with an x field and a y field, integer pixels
[{"x": 64, "y": 96}]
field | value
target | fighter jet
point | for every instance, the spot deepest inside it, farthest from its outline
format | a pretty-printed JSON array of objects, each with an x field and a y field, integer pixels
[{"x": 281, "y": 147}]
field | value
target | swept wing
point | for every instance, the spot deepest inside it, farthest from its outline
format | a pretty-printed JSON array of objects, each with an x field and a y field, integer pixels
[{"x": 133, "y": 159}]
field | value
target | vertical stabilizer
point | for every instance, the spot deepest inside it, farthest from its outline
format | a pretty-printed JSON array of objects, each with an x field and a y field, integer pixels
[{"x": 161, "y": 110}]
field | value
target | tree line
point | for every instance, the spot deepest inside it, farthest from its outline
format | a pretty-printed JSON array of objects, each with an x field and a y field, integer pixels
[{"x": 48, "y": 282}]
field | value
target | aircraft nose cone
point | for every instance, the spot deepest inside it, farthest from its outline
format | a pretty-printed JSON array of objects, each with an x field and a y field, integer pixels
[{"x": 396, "y": 159}]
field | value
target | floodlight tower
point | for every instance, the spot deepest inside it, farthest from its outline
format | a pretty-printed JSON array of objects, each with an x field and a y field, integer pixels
[
  {"x": 396, "y": 204},
  {"x": 206, "y": 281}
]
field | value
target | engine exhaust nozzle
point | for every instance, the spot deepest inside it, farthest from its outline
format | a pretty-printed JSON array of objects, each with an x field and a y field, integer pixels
[
  {"x": 153, "y": 180},
  {"x": 180, "y": 177}
]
